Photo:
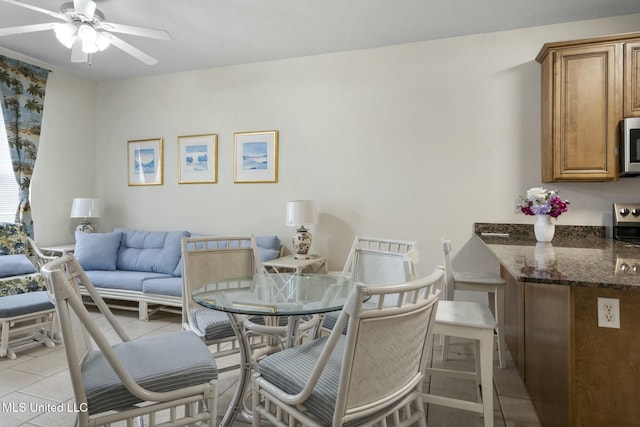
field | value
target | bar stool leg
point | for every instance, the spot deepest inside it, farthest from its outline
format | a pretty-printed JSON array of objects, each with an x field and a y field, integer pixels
[
  {"x": 486, "y": 375},
  {"x": 499, "y": 315}
]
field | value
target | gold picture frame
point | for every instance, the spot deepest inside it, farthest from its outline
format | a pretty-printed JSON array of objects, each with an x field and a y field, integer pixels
[
  {"x": 255, "y": 157},
  {"x": 145, "y": 164},
  {"x": 198, "y": 159}
]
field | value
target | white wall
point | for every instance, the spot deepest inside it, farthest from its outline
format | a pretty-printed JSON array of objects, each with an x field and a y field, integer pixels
[
  {"x": 65, "y": 167},
  {"x": 413, "y": 141}
]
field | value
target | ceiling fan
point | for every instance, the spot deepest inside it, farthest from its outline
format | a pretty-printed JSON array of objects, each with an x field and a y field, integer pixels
[{"x": 84, "y": 30}]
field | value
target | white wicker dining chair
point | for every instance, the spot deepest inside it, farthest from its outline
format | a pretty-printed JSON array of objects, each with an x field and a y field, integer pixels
[
  {"x": 373, "y": 374},
  {"x": 210, "y": 259},
  {"x": 165, "y": 377},
  {"x": 375, "y": 260}
]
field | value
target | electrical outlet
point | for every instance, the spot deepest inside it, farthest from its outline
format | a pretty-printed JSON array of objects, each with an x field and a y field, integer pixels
[{"x": 608, "y": 312}]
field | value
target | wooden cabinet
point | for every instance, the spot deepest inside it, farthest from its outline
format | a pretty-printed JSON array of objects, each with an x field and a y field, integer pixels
[
  {"x": 576, "y": 373},
  {"x": 588, "y": 86},
  {"x": 631, "y": 79},
  {"x": 581, "y": 108}
]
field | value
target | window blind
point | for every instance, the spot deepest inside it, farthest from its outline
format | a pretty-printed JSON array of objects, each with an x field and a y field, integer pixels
[{"x": 8, "y": 184}]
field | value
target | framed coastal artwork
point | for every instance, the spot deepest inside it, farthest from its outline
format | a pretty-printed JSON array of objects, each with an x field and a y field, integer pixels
[
  {"x": 255, "y": 157},
  {"x": 145, "y": 161},
  {"x": 198, "y": 159}
]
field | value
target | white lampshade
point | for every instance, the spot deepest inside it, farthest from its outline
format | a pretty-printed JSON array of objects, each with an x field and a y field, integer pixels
[
  {"x": 301, "y": 212},
  {"x": 85, "y": 208}
]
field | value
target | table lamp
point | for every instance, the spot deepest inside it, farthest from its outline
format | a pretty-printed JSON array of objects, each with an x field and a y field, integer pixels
[
  {"x": 86, "y": 209},
  {"x": 299, "y": 213}
]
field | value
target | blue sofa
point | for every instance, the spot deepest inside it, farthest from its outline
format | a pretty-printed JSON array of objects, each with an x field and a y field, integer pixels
[{"x": 143, "y": 267}]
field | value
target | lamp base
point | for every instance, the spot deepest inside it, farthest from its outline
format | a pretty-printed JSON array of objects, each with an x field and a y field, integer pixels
[
  {"x": 301, "y": 243},
  {"x": 85, "y": 227}
]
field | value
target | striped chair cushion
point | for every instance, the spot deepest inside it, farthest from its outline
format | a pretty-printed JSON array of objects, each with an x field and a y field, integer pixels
[
  {"x": 159, "y": 363},
  {"x": 331, "y": 318},
  {"x": 289, "y": 370},
  {"x": 215, "y": 324}
]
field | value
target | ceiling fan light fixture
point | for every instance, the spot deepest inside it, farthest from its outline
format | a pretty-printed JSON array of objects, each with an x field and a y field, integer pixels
[
  {"x": 103, "y": 41},
  {"x": 87, "y": 33},
  {"x": 66, "y": 33}
]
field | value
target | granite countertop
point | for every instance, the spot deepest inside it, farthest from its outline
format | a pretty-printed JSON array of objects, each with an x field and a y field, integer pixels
[{"x": 578, "y": 255}]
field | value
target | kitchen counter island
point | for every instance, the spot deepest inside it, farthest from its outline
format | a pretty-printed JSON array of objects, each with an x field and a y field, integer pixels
[{"x": 577, "y": 373}]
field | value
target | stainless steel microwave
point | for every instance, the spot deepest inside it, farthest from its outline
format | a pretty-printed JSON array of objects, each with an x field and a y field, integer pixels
[{"x": 630, "y": 147}]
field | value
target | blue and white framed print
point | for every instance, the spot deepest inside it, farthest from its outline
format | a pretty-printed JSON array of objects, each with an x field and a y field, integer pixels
[
  {"x": 145, "y": 162},
  {"x": 198, "y": 159},
  {"x": 255, "y": 157}
]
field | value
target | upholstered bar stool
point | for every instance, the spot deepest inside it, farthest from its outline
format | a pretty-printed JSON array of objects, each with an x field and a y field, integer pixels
[
  {"x": 473, "y": 321},
  {"x": 491, "y": 283}
]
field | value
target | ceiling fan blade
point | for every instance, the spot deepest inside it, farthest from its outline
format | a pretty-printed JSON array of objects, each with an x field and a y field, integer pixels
[
  {"x": 85, "y": 7},
  {"x": 77, "y": 55},
  {"x": 133, "y": 51},
  {"x": 36, "y": 8},
  {"x": 136, "y": 31},
  {"x": 27, "y": 29}
]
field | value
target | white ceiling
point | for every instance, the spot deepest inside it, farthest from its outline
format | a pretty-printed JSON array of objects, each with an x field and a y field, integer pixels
[{"x": 215, "y": 33}]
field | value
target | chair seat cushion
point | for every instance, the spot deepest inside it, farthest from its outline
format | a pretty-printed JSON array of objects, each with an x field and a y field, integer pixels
[
  {"x": 215, "y": 324},
  {"x": 156, "y": 363},
  {"x": 15, "y": 265},
  {"x": 331, "y": 318},
  {"x": 27, "y": 303},
  {"x": 289, "y": 370}
]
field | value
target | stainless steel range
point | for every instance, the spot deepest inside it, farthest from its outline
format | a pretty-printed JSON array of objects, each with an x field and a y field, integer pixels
[
  {"x": 626, "y": 222},
  {"x": 626, "y": 227}
]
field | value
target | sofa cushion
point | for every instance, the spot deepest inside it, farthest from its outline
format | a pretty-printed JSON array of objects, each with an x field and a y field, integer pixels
[
  {"x": 13, "y": 239},
  {"x": 268, "y": 247},
  {"x": 120, "y": 279},
  {"x": 15, "y": 265},
  {"x": 163, "y": 286},
  {"x": 268, "y": 242},
  {"x": 97, "y": 251},
  {"x": 152, "y": 251}
]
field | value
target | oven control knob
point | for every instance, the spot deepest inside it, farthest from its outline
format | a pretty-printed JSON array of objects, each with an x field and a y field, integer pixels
[
  {"x": 624, "y": 267},
  {"x": 635, "y": 212},
  {"x": 624, "y": 211}
]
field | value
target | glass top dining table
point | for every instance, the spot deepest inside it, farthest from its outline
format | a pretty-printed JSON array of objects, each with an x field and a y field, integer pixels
[
  {"x": 273, "y": 295},
  {"x": 276, "y": 294}
]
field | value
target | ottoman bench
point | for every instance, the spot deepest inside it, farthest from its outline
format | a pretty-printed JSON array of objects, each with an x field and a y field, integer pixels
[{"x": 26, "y": 320}]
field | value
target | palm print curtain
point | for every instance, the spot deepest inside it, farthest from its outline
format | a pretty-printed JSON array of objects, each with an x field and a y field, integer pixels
[{"x": 22, "y": 88}]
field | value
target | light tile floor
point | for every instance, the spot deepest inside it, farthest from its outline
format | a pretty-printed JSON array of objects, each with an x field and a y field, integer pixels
[{"x": 35, "y": 389}]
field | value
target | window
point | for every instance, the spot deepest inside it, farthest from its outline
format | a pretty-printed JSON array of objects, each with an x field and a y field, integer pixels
[{"x": 8, "y": 184}]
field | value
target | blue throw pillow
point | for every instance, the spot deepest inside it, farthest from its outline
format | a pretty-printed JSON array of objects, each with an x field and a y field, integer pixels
[
  {"x": 268, "y": 247},
  {"x": 15, "y": 265},
  {"x": 97, "y": 251},
  {"x": 268, "y": 242}
]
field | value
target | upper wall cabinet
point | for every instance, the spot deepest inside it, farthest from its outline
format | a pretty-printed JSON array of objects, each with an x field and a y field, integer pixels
[
  {"x": 586, "y": 86},
  {"x": 631, "y": 80}
]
